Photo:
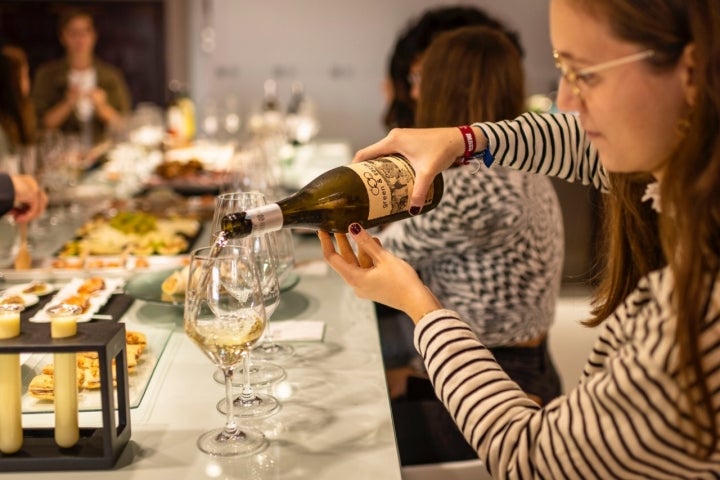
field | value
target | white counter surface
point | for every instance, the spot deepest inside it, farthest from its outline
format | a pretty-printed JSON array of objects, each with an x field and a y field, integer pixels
[{"x": 335, "y": 422}]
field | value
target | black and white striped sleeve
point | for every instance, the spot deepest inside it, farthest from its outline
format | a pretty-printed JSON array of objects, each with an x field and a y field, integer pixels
[
  {"x": 550, "y": 144},
  {"x": 621, "y": 421}
]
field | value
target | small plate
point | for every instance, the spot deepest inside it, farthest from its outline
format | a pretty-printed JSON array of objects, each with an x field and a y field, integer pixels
[
  {"x": 97, "y": 299},
  {"x": 148, "y": 287},
  {"x": 28, "y": 299},
  {"x": 38, "y": 288}
]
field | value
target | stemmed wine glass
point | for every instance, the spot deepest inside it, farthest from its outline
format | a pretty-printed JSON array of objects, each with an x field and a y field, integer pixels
[
  {"x": 285, "y": 261},
  {"x": 225, "y": 316},
  {"x": 251, "y": 403}
]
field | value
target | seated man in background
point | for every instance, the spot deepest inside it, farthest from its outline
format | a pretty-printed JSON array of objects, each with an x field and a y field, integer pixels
[{"x": 79, "y": 93}]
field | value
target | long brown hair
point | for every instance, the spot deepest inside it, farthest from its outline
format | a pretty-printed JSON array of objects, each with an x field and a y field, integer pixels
[
  {"x": 471, "y": 73},
  {"x": 688, "y": 230}
]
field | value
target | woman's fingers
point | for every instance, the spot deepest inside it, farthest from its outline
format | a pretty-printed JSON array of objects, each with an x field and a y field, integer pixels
[{"x": 345, "y": 249}]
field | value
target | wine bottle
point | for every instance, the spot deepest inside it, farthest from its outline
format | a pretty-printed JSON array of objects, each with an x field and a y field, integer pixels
[
  {"x": 371, "y": 193},
  {"x": 180, "y": 114}
]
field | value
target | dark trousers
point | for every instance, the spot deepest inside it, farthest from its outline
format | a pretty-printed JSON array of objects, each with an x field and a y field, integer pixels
[{"x": 425, "y": 431}]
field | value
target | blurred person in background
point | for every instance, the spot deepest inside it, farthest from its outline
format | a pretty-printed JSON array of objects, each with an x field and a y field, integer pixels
[
  {"x": 466, "y": 254},
  {"x": 20, "y": 195},
  {"x": 17, "y": 117},
  {"x": 79, "y": 93},
  {"x": 408, "y": 50}
]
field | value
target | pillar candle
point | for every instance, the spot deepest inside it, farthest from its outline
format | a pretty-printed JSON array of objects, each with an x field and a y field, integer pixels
[
  {"x": 63, "y": 324},
  {"x": 11, "y": 434}
]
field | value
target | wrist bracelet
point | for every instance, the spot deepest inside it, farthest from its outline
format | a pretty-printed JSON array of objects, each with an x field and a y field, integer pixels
[
  {"x": 469, "y": 139},
  {"x": 470, "y": 142}
]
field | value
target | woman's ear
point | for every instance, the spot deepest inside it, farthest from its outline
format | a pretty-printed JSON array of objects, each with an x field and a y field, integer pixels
[{"x": 689, "y": 74}]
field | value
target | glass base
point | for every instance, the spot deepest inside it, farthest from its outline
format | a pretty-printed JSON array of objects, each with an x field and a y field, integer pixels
[
  {"x": 262, "y": 374},
  {"x": 261, "y": 405},
  {"x": 272, "y": 351},
  {"x": 244, "y": 441}
]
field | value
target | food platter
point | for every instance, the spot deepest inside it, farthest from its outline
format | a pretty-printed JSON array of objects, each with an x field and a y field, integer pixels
[
  {"x": 148, "y": 287},
  {"x": 35, "y": 287},
  {"x": 95, "y": 301},
  {"x": 89, "y": 399},
  {"x": 133, "y": 233},
  {"x": 24, "y": 299},
  {"x": 108, "y": 266}
]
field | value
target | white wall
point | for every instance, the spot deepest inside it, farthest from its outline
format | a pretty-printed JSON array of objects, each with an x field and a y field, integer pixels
[{"x": 338, "y": 48}]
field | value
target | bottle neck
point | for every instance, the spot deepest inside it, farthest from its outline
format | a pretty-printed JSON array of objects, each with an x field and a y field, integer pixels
[{"x": 266, "y": 218}]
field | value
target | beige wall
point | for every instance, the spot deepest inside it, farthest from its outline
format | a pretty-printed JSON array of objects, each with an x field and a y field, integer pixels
[{"x": 338, "y": 48}]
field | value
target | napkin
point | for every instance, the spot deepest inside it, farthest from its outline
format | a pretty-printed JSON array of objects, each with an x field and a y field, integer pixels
[{"x": 297, "y": 330}]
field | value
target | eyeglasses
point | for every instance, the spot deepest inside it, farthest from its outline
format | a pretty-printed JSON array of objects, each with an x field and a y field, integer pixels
[{"x": 579, "y": 78}]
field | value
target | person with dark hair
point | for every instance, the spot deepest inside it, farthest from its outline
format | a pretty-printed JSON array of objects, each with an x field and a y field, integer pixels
[
  {"x": 20, "y": 195},
  {"x": 17, "y": 117},
  {"x": 464, "y": 254},
  {"x": 643, "y": 79},
  {"x": 80, "y": 93},
  {"x": 410, "y": 45}
]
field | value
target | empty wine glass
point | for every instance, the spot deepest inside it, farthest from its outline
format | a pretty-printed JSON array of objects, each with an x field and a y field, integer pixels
[
  {"x": 225, "y": 316},
  {"x": 285, "y": 261}
]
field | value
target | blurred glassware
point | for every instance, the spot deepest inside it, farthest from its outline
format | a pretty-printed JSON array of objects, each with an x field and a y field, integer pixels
[
  {"x": 210, "y": 119},
  {"x": 180, "y": 115},
  {"x": 146, "y": 126},
  {"x": 300, "y": 121},
  {"x": 231, "y": 117},
  {"x": 8, "y": 241}
]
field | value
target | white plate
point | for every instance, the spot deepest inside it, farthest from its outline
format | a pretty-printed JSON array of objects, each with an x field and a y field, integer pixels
[
  {"x": 38, "y": 288},
  {"x": 97, "y": 300},
  {"x": 28, "y": 299},
  {"x": 89, "y": 400},
  {"x": 43, "y": 269}
]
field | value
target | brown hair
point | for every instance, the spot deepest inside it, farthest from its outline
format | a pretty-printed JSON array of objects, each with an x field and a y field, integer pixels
[
  {"x": 17, "y": 116},
  {"x": 470, "y": 74},
  {"x": 688, "y": 230},
  {"x": 71, "y": 14},
  {"x": 415, "y": 39}
]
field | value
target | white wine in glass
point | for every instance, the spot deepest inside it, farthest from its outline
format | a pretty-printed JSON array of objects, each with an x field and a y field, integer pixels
[
  {"x": 250, "y": 402},
  {"x": 225, "y": 316}
]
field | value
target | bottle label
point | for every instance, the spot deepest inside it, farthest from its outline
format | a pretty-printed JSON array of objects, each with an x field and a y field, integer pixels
[
  {"x": 266, "y": 218},
  {"x": 389, "y": 184}
]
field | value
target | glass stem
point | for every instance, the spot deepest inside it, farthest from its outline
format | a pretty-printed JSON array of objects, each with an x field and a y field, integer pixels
[
  {"x": 247, "y": 395},
  {"x": 230, "y": 424}
]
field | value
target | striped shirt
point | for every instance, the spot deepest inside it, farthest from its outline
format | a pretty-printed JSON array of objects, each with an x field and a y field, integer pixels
[{"x": 625, "y": 417}]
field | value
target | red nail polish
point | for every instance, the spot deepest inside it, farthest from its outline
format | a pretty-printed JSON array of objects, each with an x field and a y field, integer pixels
[
  {"x": 355, "y": 228},
  {"x": 414, "y": 210}
]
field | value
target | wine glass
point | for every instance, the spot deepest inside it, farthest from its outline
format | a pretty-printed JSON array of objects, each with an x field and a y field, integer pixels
[
  {"x": 225, "y": 316},
  {"x": 285, "y": 261},
  {"x": 250, "y": 402}
]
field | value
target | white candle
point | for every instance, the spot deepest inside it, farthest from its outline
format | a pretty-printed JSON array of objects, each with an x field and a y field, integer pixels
[
  {"x": 11, "y": 434},
  {"x": 63, "y": 324}
]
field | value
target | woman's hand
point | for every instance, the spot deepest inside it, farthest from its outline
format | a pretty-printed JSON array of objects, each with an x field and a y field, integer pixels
[
  {"x": 376, "y": 274},
  {"x": 429, "y": 151},
  {"x": 30, "y": 199}
]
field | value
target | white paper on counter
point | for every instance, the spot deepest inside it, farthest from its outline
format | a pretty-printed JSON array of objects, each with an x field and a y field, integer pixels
[
  {"x": 297, "y": 330},
  {"x": 312, "y": 267}
]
